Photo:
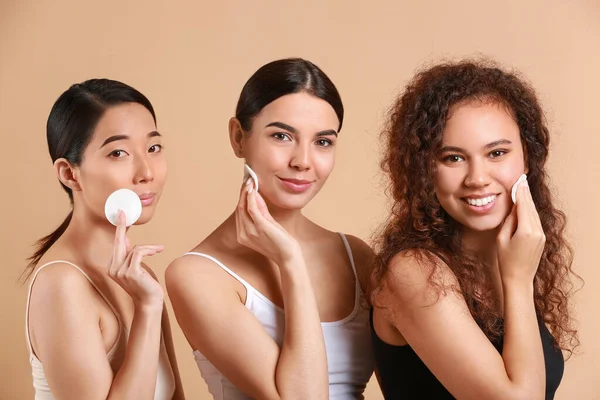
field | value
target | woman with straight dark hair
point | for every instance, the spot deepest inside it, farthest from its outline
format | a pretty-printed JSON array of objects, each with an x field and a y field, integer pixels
[
  {"x": 96, "y": 324},
  {"x": 270, "y": 302}
]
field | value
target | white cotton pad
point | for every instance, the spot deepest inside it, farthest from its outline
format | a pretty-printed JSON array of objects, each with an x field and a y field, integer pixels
[
  {"x": 514, "y": 188},
  {"x": 248, "y": 173},
  {"x": 125, "y": 200}
]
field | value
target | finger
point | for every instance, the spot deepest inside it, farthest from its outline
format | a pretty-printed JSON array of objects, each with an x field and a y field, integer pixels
[
  {"x": 524, "y": 207},
  {"x": 509, "y": 226},
  {"x": 120, "y": 243},
  {"x": 248, "y": 222},
  {"x": 153, "y": 248},
  {"x": 127, "y": 244},
  {"x": 533, "y": 219},
  {"x": 243, "y": 192},
  {"x": 253, "y": 210},
  {"x": 262, "y": 207},
  {"x": 141, "y": 252}
]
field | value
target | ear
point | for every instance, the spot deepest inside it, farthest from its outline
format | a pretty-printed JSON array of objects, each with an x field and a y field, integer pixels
[
  {"x": 236, "y": 136},
  {"x": 67, "y": 174}
]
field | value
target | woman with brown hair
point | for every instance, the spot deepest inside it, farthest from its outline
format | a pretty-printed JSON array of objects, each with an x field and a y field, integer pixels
[{"x": 470, "y": 291}]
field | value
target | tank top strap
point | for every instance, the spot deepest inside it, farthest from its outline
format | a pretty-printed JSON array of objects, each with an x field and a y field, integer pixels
[
  {"x": 223, "y": 267},
  {"x": 350, "y": 256},
  {"x": 114, "y": 310}
]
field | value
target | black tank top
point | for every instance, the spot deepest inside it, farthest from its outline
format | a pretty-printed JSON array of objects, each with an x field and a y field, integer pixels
[{"x": 402, "y": 374}]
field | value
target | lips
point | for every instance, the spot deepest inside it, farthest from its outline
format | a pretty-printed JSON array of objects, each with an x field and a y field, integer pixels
[
  {"x": 296, "y": 181},
  {"x": 296, "y": 185},
  {"x": 147, "y": 198}
]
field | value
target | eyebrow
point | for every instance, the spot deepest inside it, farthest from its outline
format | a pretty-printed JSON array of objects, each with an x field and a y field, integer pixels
[
  {"x": 328, "y": 132},
  {"x": 447, "y": 149},
  {"x": 125, "y": 137}
]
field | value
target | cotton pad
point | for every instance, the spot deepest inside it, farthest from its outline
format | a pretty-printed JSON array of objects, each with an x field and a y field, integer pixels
[
  {"x": 248, "y": 173},
  {"x": 514, "y": 188},
  {"x": 125, "y": 200}
]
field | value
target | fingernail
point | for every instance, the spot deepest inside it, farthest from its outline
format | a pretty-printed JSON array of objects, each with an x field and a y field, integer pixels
[
  {"x": 249, "y": 181},
  {"x": 250, "y": 189}
]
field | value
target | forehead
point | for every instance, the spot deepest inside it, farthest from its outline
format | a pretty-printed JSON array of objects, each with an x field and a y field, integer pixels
[
  {"x": 479, "y": 123},
  {"x": 300, "y": 110},
  {"x": 131, "y": 119}
]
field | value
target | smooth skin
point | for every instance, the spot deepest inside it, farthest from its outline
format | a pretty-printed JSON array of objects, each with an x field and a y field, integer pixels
[
  {"x": 482, "y": 155},
  {"x": 295, "y": 263},
  {"x": 72, "y": 328}
]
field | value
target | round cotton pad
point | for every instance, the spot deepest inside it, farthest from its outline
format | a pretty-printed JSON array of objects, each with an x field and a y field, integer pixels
[
  {"x": 125, "y": 200},
  {"x": 513, "y": 193},
  {"x": 250, "y": 174}
]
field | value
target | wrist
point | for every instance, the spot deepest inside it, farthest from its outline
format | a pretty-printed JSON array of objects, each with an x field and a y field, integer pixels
[
  {"x": 150, "y": 305},
  {"x": 517, "y": 285},
  {"x": 293, "y": 262}
]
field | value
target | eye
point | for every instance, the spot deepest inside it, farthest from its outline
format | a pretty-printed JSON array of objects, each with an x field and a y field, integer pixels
[
  {"x": 156, "y": 148},
  {"x": 283, "y": 137},
  {"x": 324, "y": 142},
  {"x": 117, "y": 154},
  {"x": 453, "y": 158},
  {"x": 497, "y": 153}
]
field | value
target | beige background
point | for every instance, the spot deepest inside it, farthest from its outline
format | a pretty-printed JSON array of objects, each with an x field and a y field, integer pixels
[{"x": 191, "y": 59}]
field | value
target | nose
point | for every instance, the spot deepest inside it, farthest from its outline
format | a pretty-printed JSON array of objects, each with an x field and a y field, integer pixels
[
  {"x": 477, "y": 174},
  {"x": 143, "y": 170},
  {"x": 300, "y": 159}
]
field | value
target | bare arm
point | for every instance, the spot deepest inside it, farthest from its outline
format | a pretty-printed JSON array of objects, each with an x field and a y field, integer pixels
[
  {"x": 65, "y": 322},
  {"x": 168, "y": 339},
  {"x": 69, "y": 337},
  {"x": 217, "y": 324},
  {"x": 450, "y": 343}
]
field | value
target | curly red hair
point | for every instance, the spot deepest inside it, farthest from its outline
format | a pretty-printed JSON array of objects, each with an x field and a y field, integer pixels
[{"x": 419, "y": 225}]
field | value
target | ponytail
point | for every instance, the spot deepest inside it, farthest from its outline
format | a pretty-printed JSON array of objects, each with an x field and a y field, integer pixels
[{"x": 43, "y": 245}]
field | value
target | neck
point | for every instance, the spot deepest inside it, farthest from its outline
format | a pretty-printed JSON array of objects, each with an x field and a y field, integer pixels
[
  {"x": 290, "y": 220},
  {"x": 482, "y": 244},
  {"x": 90, "y": 239}
]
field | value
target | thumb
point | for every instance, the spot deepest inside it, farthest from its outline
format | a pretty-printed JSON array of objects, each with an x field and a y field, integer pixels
[{"x": 509, "y": 226}]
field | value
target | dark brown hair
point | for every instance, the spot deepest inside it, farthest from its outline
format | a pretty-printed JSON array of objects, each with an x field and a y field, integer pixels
[
  {"x": 282, "y": 77},
  {"x": 419, "y": 225},
  {"x": 69, "y": 129}
]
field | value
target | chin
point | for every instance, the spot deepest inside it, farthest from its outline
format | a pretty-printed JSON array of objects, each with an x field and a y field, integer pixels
[
  {"x": 289, "y": 202},
  {"x": 481, "y": 224}
]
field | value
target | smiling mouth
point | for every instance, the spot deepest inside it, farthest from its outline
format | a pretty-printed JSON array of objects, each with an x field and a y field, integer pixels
[{"x": 480, "y": 202}]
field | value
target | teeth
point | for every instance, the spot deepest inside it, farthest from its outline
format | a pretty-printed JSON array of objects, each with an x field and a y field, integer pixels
[{"x": 481, "y": 202}]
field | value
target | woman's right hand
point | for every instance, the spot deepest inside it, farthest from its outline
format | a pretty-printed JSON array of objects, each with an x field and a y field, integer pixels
[
  {"x": 521, "y": 239},
  {"x": 126, "y": 268},
  {"x": 257, "y": 229}
]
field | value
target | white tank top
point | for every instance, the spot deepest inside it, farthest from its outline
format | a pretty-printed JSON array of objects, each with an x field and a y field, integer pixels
[
  {"x": 347, "y": 342},
  {"x": 165, "y": 380}
]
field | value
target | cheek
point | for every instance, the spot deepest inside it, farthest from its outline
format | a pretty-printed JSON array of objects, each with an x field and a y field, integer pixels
[
  {"x": 98, "y": 182},
  {"x": 508, "y": 173},
  {"x": 324, "y": 163},
  {"x": 448, "y": 180},
  {"x": 160, "y": 172}
]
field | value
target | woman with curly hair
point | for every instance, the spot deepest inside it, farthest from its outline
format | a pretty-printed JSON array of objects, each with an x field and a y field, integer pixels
[{"x": 470, "y": 291}]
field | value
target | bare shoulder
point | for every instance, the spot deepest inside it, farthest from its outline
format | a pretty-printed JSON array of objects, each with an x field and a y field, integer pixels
[
  {"x": 417, "y": 277},
  {"x": 61, "y": 282},
  {"x": 192, "y": 272}
]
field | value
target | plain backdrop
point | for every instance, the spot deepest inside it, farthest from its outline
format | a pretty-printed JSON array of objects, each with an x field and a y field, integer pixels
[{"x": 191, "y": 59}]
